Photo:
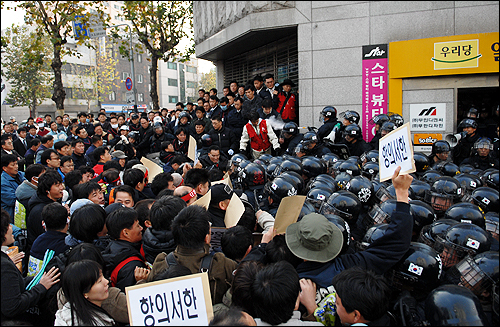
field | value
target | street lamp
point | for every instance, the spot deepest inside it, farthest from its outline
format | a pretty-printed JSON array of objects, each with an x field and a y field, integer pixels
[{"x": 131, "y": 63}]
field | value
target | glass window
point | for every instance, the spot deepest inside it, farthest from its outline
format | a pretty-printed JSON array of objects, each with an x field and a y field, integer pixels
[
  {"x": 191, "y": 69},
  {"x": 112, "y": 96},
  {"x": 139, "y": 78},
  {"x": 173, "y": 99},
  {"x": 172, "y": 82},
  {"x": 139, "y": 57},
  {"x": 124, "y": 97},
  {"x": 171, "y": 65},
  {"x": 125, "y": 75},
  {"x": 191, "y": 85},
  {"x": 140, "y": 96}
]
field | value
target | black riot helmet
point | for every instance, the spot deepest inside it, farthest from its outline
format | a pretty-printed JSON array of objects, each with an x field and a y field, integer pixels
[
  {"x": 318, "y": 196},
  {"x": 421, "y": 162},
  {"x": 344, "y": 204},
  {"x": 453, "y": 305},
  {"x": 465, "y": 212},
  {"x": 459, "y": 240},
  {"x": 430, "y": 176},
  {"x": 469, "y": 182},
  {"x": 328, "y": 179},
  {"x": 473, "y": 113},
  {"x": 443, "y": 193},
  {"x": 440, "y": 146},
  {"x": 369, "y": 156},
  {"x": 349, "y": 166},
  {"x": 288, "y": 165},
  {"x": 492, "y": 223},
  {"x": 447, "y": 168},
  {"x": 397, "y": 119},
  {"x": 278, "y": 189},
  {"x": 185, "y": 114},
  {"x": 330, "y": 159},
  {"x": 351, "y": 116},
  {"x": 266, "y": 158},
  {"x": 468, "y": 122},
  {"x": 206, "y": 141},
  {"x": 309, "y": 138},
  {"x": 323, "y": 184},
  {"x": 353, "y": 130},
  {"x": 379, "y": 119},
  {"x": 418, "y": 271},
  {"x": 372, "y": 234},
  {"x": 329, "y": 112},
  {"x": 341, "y": 179},
  {"x": 253, "y": 175},
  {"x": 422, "y": 214},
  {"x": 291, "y": 128},
  {"x": 380, "y": 213},
  {"x": 344, "y": 228},
  {"x": 419, "y": 187},
  {"x": 429, "y": 233},
  {"x": 477, "y": 172},
  {"x": 369, "y": 170},
  {"x": 485, "y": 197},
  {"x": 388, "y": 127},
  {"x": 362, "y": 187},
  {"x": 313, "y": 166},
  {"x": 295, "y": 179},
  {"x": 270, "y": 170},
  {"x": 392, "y": 191},
  {"x": 465, "y": 168},
  {"x": 276, "y": 160},
  {"x": 478, "y": 273},
  {"x": 492, "y": 179},
  {"x": 307, "y": 208}
]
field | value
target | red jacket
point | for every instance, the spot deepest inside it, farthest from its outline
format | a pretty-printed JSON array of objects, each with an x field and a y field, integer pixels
[
  {"x": 288, "y": 112},
  {"x": 258, "y": 142}
]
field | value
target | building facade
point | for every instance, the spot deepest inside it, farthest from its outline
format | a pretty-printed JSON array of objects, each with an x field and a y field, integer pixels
[{"x": 319, "y": 45}]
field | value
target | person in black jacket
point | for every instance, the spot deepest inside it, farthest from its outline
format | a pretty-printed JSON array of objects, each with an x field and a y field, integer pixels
[
  {"x": 50, "y": 190},
  {"x": 158, "y": 137},
  {"x": 235, "y": 120},
  {"x": 16, "y": 300},
  {"x": 159, "y": 238},
  {"x": 78, "y": 155},
  {"x": 126, "y": 234},
  {"x": 145, "y": 132},
  {"x": 481, "y": 155},
  {"x": 213, "y": 160},
  {"x": 463, "y": 148},
  {"x": 223, "y": 137}
]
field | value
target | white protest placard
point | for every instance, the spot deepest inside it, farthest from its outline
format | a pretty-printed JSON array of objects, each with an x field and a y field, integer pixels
[
  {"x": 181, "y": 301},
  {"x": 192, "y": 149},
  {"x": 234, "y": 211},
  {"x": 396, "y": 149}
]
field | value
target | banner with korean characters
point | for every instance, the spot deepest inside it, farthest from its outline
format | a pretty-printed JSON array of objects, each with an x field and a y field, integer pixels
[
  {"x": 375, "y": 77},
  {"x": 396, "y": 149},
  {"x": 180, "y": 301}
]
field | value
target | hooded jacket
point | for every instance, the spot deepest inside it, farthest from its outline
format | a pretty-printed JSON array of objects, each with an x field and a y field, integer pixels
[
  {"x": 115, "y": 253},
  {"x": 34, "y": 220},
  {"x": 156, "y": 242}
]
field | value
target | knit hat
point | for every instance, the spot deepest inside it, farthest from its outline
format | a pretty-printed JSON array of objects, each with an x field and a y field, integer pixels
[
  {"x": 314, "y": 238},
  {"x": 78, "y": 204}
]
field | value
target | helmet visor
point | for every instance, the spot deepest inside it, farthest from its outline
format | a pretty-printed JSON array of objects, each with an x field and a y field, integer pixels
[
  {"x": 383, "y": 195},
  {"x": 378, "y": 216},
  {"x": 439, "y": 202},
  {"x": 329, "y": 209},
  {"x": 471, "y": 276}
]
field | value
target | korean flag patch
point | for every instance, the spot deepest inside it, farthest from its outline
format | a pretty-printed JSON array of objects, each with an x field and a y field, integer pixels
[
  {"x": 473, "y": 243},
  {"x": 417, "y": 270},
  {"x": 321, "y": 197}
]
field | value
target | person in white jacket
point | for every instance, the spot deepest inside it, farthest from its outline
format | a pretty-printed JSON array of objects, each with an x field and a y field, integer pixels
[{"x": 260, "y": 135}]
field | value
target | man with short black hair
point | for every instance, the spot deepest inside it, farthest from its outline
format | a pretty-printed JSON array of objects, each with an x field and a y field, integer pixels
[
  {"x": 47, "y": 143},
  {"x": 50, "y": 190},
  {"x": 252, "y": 102},
  {"x": 21, "y": 144},
  {"x": 30, "y": 153},
  {"x": 66, "y": 166},
  {"x": 78, "y": 155},
  {"x": 191, "y": 231},
  {"x": 125, "y": 195},
  {"x": 83, "y": 135},
  {"x": 51, "y": 159},
  {"x": 124, "y": 253},
  {"x": 134, "y": 178},
  {"x": 101, "y": 154},
  {"x": 236, "y": 242},
  {"x": 198, "y": 179},
  {"x": 84, "y": 121},
  {"x": 258, "y": 83},
  {"x": 213, "y": 160},
  {"x": 63, "y": 148},
  {"x": 159, "y": 238},
  {"x": 11, "y": 179},
  {"x": 223, "y": 137},
  {"x": 96, "y": 142}
]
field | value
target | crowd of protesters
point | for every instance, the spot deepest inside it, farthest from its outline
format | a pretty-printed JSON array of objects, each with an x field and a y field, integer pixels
[{"x": 82, "y": 219}]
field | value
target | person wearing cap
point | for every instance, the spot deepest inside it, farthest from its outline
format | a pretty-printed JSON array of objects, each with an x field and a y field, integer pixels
[
  {"x": 287, "y": 105},
  {"x": 134, "y": 124},
  {"x": 42, "y": 131},
  {"x": 220, "y": 198},
  {"x": 147, "y": 187},
  {"x": 318, "y": 241},
  {"x": 119, "y": 156}
]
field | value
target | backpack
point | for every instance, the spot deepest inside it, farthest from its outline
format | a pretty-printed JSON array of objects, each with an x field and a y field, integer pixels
[{"x": 206, "y": 262}]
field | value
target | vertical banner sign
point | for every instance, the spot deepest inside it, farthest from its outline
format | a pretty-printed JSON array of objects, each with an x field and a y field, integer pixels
[
  {"x": 375, "y": 77},
  {"x": 396, "y": 149}
]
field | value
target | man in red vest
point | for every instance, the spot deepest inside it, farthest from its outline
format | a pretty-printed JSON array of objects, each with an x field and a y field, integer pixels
[{"x": 260, "y": 136}]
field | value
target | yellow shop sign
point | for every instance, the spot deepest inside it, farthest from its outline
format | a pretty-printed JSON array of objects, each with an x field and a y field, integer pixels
[{"x": 456, "y": 54}]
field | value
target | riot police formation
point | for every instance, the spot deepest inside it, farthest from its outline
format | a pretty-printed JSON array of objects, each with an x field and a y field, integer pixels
[{"x": 443, "y": 271}]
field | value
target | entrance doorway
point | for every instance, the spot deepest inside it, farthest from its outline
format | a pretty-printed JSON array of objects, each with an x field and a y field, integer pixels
[{"x": 486, "y": 101}]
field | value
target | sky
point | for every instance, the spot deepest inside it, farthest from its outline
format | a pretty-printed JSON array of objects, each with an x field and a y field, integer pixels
[{"x": 9, "y": 17}]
